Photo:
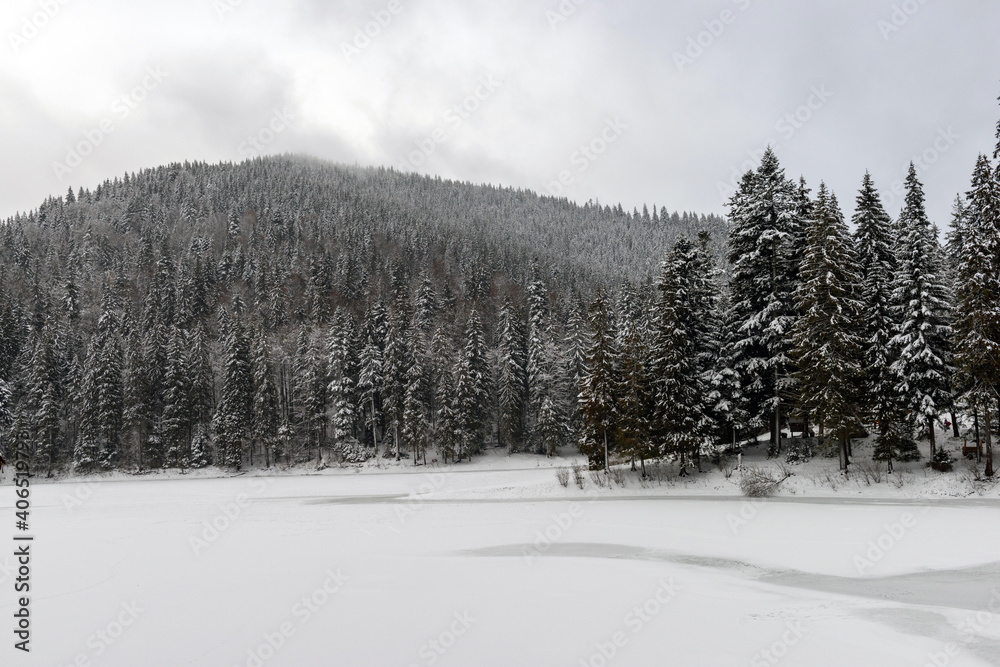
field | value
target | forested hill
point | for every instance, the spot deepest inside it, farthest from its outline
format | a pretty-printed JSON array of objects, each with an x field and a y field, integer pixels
[{"x": 155, "y": 319}]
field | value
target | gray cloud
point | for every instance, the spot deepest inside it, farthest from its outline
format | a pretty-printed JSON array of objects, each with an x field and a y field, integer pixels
[{"x": 565, "y": 68}]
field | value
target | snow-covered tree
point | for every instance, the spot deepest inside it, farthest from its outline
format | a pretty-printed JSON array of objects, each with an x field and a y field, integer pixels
[
  {"x": 977, "y": 311},
  {"x": 921, "y": 301},
  {"x": 765, "y": 229},
  {"x": 511, "y": 378},
  {"x": 828, "y": 343},
  {"x": 598, "y": 396}
]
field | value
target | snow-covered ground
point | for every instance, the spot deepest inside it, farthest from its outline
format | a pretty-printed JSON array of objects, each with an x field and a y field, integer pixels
[{"x": 495, "y": 563}]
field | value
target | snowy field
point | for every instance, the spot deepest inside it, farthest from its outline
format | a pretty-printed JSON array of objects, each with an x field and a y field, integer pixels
[{"x": 497, "y": 564}]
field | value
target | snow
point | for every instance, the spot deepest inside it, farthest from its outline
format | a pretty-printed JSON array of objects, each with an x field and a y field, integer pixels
[{"x": 506, "y": 567}]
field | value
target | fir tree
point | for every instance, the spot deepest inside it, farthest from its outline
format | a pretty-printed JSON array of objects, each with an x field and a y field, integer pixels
[
  {"x": 598, "y": 395},
  {"x": 232, "y": 418},
  {"x": 417, "y": 405},
  {"x": 977, "y": 312},
  {"x": 764, "y": 231},
  {"x": 921, "y": 301},
  {"x": 265, "y": 397},
  {"x": 177, "y": 410},
  {"x": 511, "y": 379},
  {"x": 342, "y": 389},
  {"x": 827, "y": 345}
]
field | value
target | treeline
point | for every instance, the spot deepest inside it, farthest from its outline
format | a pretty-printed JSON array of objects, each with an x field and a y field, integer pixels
[
  {"x": 840, "y": 333},
  {"x": 283, "y": 310}
]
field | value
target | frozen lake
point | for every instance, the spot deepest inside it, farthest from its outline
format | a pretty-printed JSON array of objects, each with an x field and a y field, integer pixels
[{"x": 419, "y": 568}]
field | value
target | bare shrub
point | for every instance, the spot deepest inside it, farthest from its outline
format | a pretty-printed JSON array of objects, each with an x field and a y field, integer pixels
[
  {"x": 578, "y": 478},
  {"x": 870, "y": 471},
  {"x": 597, "y": 477},
  {"x": 618, "y": 476},
  {"x": 761, "y": 482},
  {"x": 563, "y": 476}
]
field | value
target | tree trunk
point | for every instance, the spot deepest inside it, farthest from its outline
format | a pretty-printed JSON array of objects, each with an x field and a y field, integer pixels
[
  {"x": 979, "y": 445},
  {"x": 607, "y": 469},
  {"x": 777, "y": 416},
  {"x": 933, "y": 437},
  {"x": 954, "y": 425},
  {"x": 989, "y": 445}
]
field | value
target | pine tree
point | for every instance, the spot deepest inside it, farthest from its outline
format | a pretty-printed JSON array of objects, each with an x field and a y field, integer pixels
[
  {"x": 102, "y": 399},
  {"x": 551, "y": 431},
  {"x": 537, "y": 363},
  {"x": 417, "y": 405},
  {"x": 977, "y": 312},
  {"x": 635, "y": 390},
  {"x": 177, "y": 410},
  {"x": 598, "y": 395},
  {"x": 680, "y": 389},
  {"x": 472, "y": 389},
  {"x": 725, "y": 386},
  {"x": 511, "y": 379},
  {"x": 921, "y": 301},
  {"x": 370, "y": 382},
  {"x": 265, "y": 397},
  {"x": 876, "y": 244},
  {"x": 396, "y": 362},
  {"x": 311, "y": 384},
  {"x": 827, "y": 344},
  {"x": 232, "y": 418},
  {"x": 764, "y": 231},
  {"x": 342, "y": 369}
]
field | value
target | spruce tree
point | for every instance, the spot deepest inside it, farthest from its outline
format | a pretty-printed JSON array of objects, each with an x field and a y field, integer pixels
[
  {"x": 765, "y": 228},
  {"x": 680, "y": 387},
  {"x": 921, "y": 301},
  {"x": 511, "y": 379},
  {"x": 598, "y": 396},
  {"x": 342, "y": 367},
  {"x": 417, "y": 404},
  {"x": 177, "y": 410},
  {"x": 635, "y": 390},
  {"x": 265, "y": 397},
  {"x": 396, "y": 364},
  {"x": 876, "y": 248},
  {"x": 977, "y": 312},
  {"x": 232, "y": 418},
  {"x": 827, "y": 343}
]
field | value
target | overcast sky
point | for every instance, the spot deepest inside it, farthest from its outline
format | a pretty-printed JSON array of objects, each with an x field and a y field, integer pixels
[{"x": 625, "y": 101}]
